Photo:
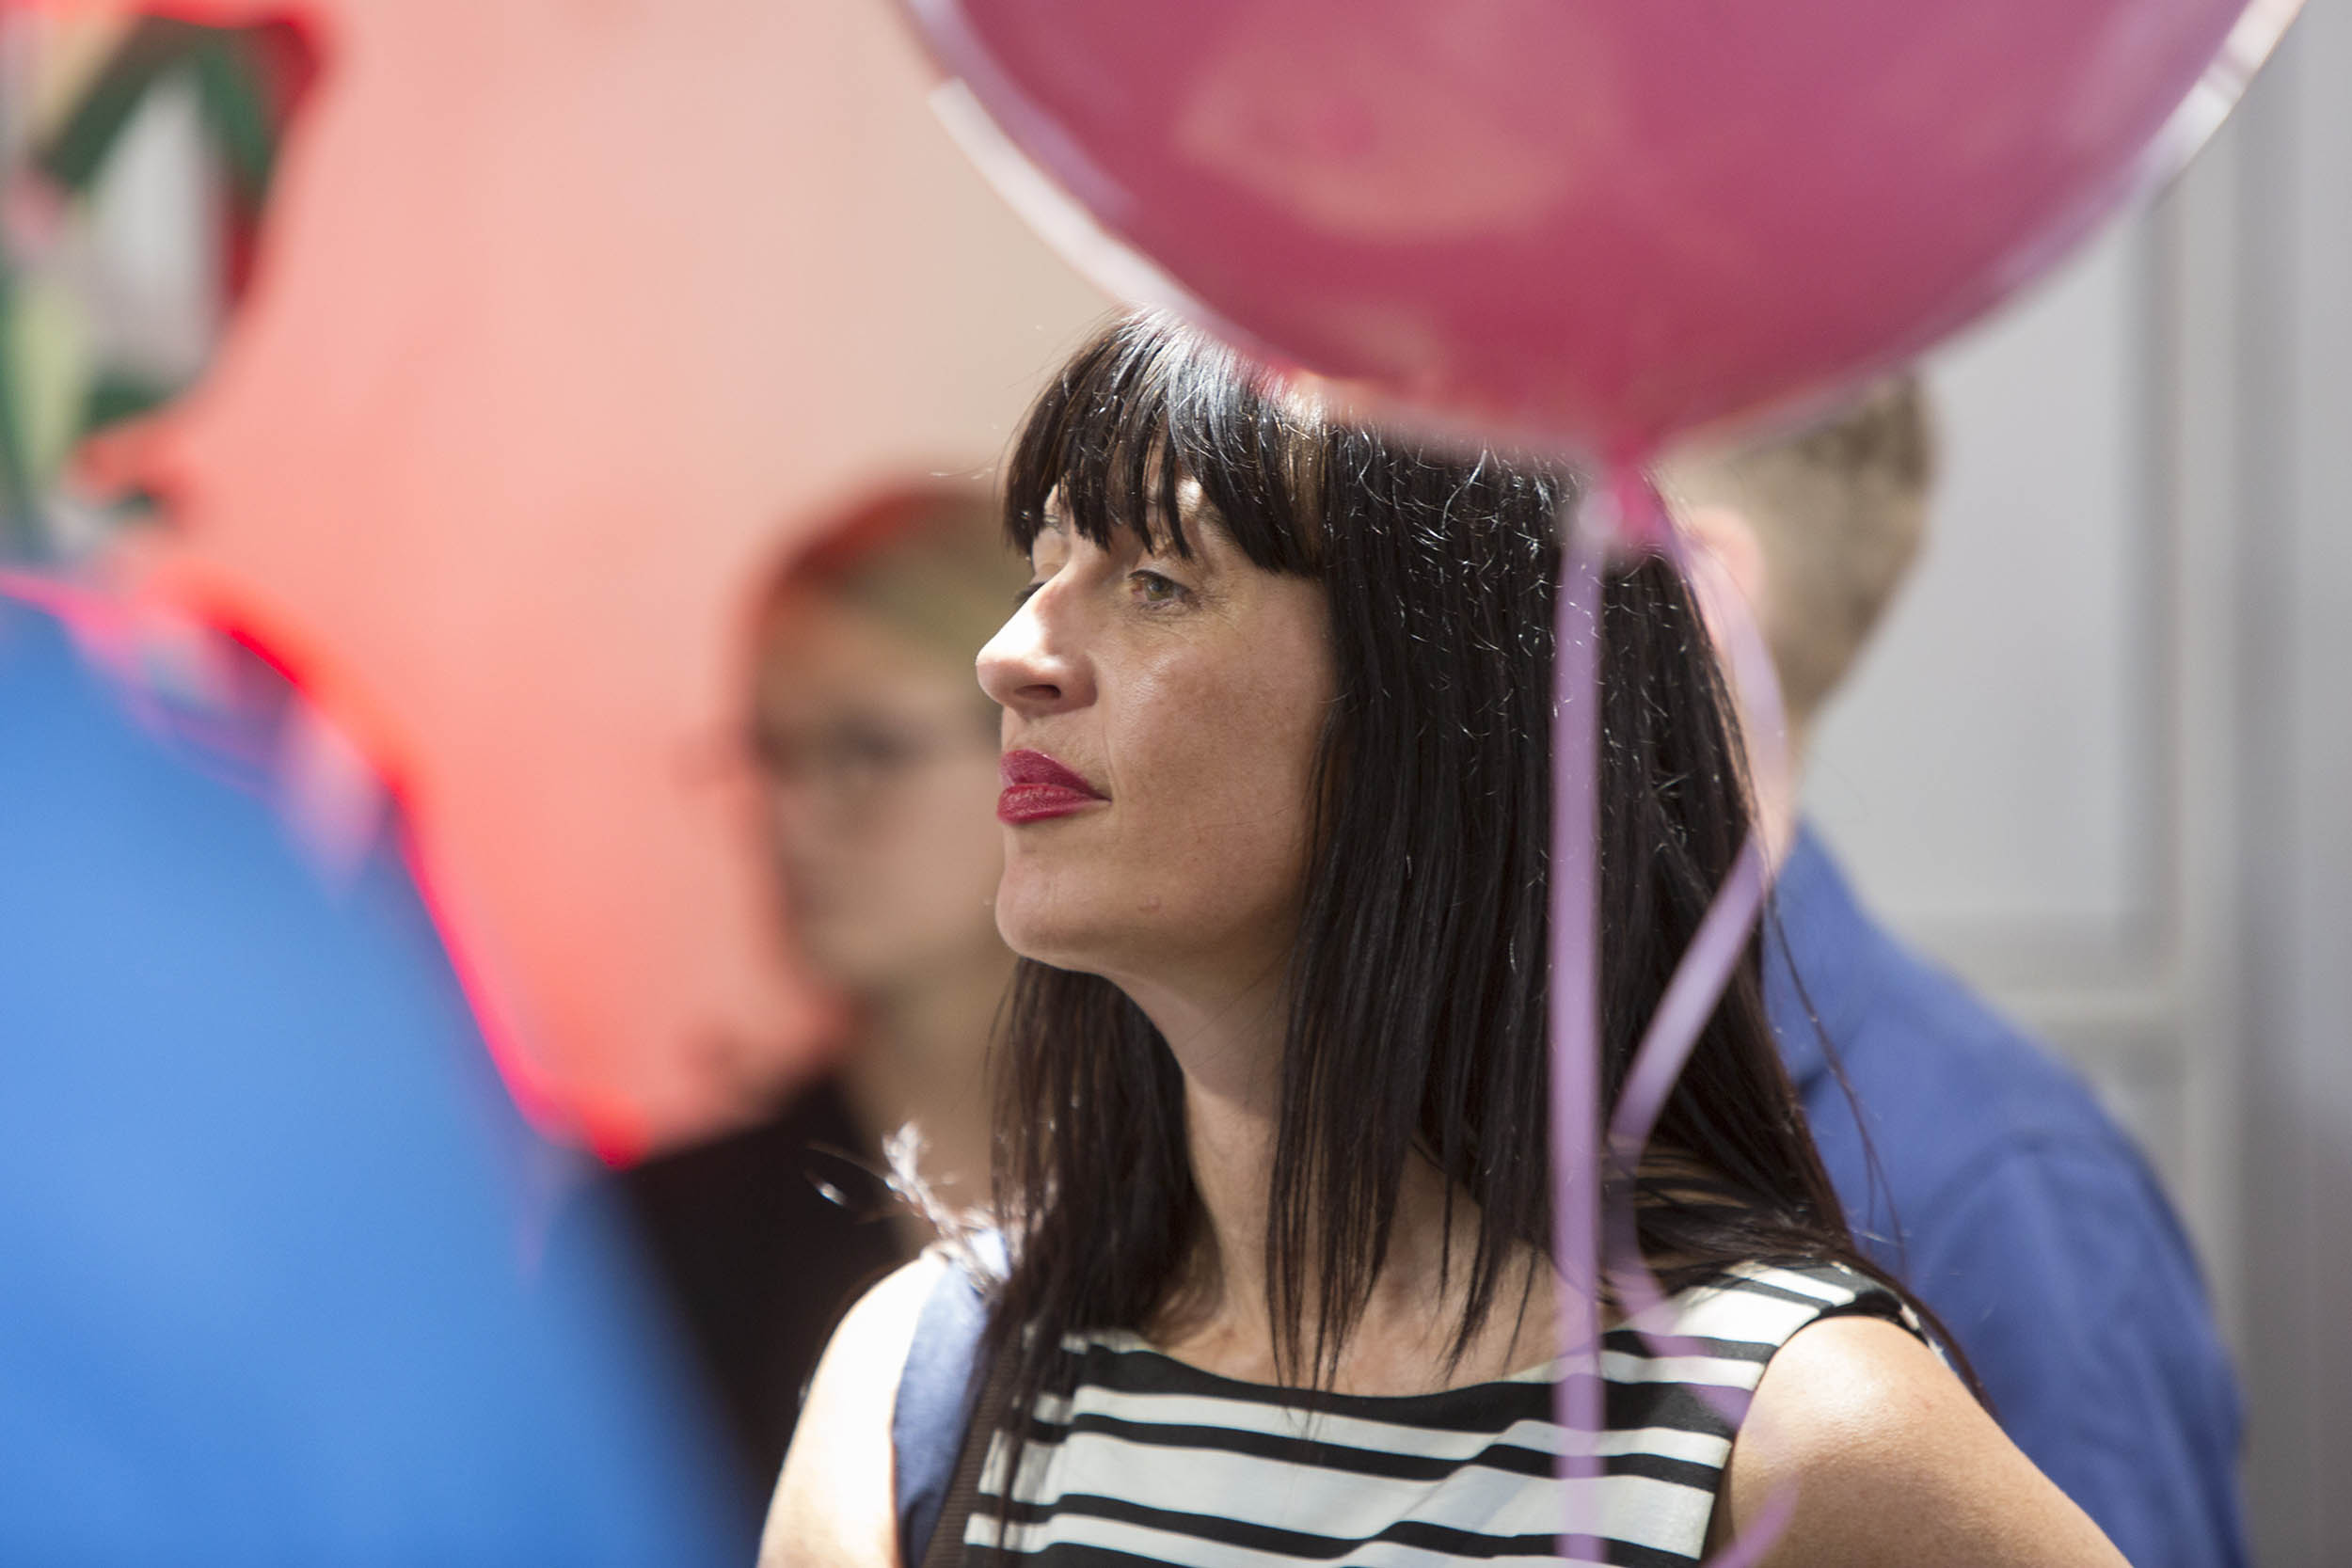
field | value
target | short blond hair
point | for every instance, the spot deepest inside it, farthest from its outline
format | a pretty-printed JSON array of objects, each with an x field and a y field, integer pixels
[{"x": 1839, "y": 511}]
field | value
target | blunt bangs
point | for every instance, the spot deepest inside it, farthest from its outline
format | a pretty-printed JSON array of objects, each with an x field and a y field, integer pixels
[{"x": 1148, "y": 404}]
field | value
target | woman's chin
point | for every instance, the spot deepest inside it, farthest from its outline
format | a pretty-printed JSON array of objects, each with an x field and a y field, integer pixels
[
  {"x": 1058, "y": 938},
  {"x": 1064, "y": 952}
]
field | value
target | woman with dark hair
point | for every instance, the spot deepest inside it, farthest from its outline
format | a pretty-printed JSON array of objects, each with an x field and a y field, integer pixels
[{"x": 1272, "y": 1176}]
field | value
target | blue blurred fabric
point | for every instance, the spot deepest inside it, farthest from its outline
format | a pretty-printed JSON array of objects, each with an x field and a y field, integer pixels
[
  {"x": 2018, "y": 1211},
  {"x": 277, "y": 1278}
]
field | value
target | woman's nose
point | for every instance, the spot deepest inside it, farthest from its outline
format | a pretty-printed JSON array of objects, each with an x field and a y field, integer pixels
[{"x": 1032, "y": 666}]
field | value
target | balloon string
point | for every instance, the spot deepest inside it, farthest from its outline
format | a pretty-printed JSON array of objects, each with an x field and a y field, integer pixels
[
  {"x": 1640, "y": 523},
  {"x": 1706, "y": 967},
  {"x": 1578, "y": 1402}
]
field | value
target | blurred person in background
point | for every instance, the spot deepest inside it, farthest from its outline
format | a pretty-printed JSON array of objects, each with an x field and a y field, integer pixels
[
  {"x": 1971, "y": 1161},
  {"x": 878, "y": 771},
  {"x": 284, "y": 1283}
]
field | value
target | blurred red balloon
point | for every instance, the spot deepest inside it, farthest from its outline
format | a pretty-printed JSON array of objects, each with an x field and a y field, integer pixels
[{"x": 1604, "y": 221}]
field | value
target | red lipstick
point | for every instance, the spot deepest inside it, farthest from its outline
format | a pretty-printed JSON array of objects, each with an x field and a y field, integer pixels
[{"x": 1037, "y": 787}]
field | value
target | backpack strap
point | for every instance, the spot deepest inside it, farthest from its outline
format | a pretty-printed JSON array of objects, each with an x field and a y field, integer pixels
[{"x": 937, "y": 1392}]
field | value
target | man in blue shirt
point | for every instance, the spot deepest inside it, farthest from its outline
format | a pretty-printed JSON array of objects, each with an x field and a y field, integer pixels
[{"x": 1972, "y": 1162}]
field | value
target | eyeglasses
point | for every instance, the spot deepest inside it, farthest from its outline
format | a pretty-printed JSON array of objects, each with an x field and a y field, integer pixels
[{"x": 857, "y": 756}]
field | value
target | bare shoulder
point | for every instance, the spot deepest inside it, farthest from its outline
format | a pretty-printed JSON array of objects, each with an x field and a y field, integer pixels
[
  {"x": 834, "y": 1501},
  {"x": 1890, "y": 1460}
]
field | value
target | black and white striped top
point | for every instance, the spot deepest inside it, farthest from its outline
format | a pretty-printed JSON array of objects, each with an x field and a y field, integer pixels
[{"x": 1151, "y": 1461}]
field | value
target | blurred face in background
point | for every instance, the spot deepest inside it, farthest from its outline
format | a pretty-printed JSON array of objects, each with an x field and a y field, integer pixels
[{"x": 880, "y": 762}]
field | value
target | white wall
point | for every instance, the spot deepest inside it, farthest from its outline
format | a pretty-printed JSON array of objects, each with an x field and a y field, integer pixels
[{"x": 2295, "y": 724}]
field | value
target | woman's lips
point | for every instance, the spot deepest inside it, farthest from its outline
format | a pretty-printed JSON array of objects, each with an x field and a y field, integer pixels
[{"x": 1037, "y": 787}]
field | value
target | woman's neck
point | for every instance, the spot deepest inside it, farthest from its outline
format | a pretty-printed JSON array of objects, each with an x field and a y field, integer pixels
[
  {"x": 1229, "y": 1048},
  {"x": 1227, "y": 1038}
]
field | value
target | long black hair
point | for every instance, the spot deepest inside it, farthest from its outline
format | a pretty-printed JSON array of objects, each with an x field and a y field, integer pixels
[{"x": 1417, "y": 1022}]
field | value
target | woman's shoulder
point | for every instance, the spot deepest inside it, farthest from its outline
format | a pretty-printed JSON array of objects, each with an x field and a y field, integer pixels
[
  {"x": 1861, "y": 1430},
  {"x": 834, "y": 1502}
]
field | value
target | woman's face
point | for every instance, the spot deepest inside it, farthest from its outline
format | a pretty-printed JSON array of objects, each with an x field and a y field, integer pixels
[
  {"x": 1185, "y": 698},
  {"x": 880, "y": 775}
]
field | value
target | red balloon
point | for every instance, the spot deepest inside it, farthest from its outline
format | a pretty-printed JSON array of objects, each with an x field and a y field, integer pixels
[{"x": 1604, "y": 221}]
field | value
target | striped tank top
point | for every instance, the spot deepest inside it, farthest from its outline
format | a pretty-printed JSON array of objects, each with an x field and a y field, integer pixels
[{"x": 1150, "y": 1461}]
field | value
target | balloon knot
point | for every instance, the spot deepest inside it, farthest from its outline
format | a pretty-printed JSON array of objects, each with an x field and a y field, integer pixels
[{"x": 1637, "y": 523}]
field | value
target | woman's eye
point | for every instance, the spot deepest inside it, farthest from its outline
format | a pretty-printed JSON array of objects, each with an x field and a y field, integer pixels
[
  {"x": 1154, "y": 589},
  {"x": 1028, "y": 591}
]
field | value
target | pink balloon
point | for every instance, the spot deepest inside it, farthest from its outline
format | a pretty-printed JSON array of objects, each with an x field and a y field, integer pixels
[{"x": 1607, "y": 221}]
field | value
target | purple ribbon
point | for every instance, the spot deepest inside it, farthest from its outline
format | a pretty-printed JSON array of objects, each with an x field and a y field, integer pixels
[
  {"x": 1629, "y": 514},
  {"x": 1576, "y": 1009}
]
